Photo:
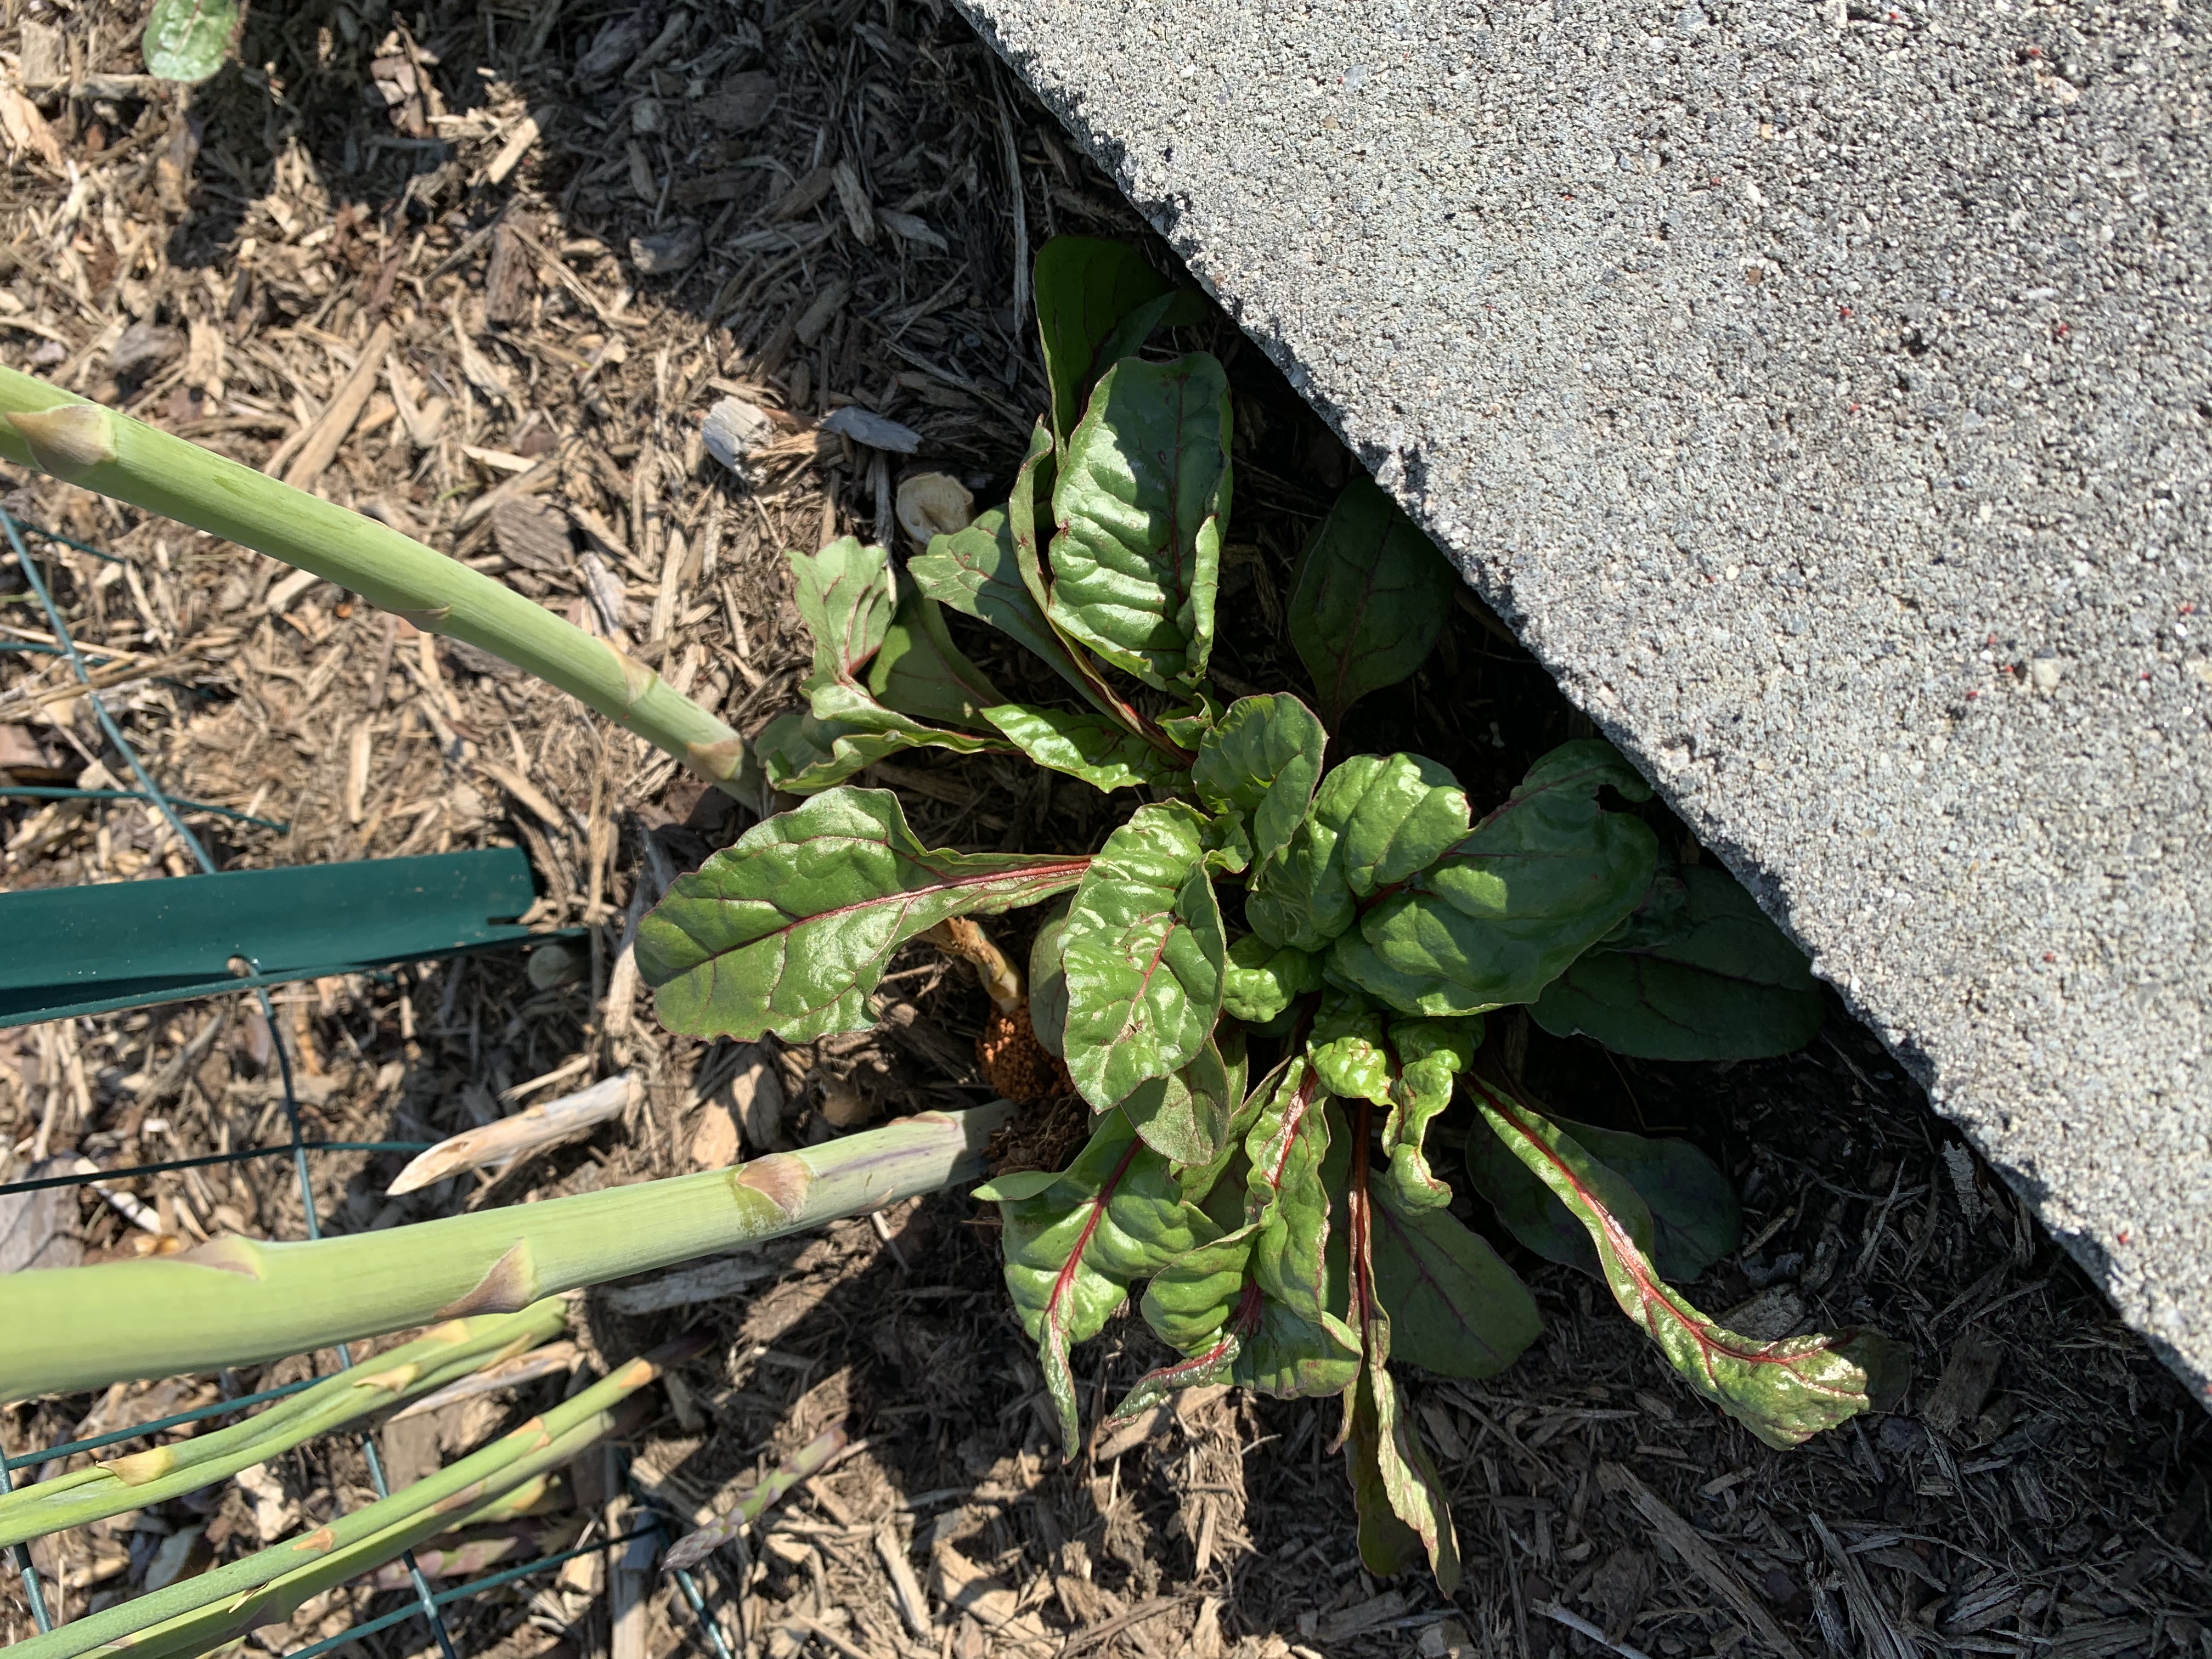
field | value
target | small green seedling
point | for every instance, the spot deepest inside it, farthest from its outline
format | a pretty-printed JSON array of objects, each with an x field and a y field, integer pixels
[
  {"x": 189, "y": 40},
  {"x": 1288, "y": 1231}
]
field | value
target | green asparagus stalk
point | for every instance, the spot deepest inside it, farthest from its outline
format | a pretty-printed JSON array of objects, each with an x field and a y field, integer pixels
[
  {"x": 450, "y": 1351},
  {"x": 197, "y": 1612},
  {"x": 236, "y": 1301},
  {"x": 809, "y": 1460},
  {"x": 86, "y": 444}
]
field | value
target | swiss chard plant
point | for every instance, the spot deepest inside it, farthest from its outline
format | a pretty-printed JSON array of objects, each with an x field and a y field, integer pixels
[{"x": 1272, "y": 978}]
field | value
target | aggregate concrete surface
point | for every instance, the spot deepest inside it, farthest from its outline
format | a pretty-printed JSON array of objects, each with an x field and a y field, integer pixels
[{"x": 1824, "y": 393}]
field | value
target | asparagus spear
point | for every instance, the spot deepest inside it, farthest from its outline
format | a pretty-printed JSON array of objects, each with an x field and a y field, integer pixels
[
  {"x": 86, "y": 444},
  {"x": 238, "y": 1300},
  {"x": 452, "y": 1350}
]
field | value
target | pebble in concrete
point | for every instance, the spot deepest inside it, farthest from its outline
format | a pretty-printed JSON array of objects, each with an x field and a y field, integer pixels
[{"x": 1823, "y": 390}]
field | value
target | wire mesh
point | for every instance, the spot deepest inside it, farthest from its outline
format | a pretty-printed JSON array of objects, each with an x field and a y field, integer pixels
[{"x": 427, "y": 1604}]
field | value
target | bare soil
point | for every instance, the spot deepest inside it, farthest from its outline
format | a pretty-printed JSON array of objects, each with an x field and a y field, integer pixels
[{"x": 808, "y": 205}]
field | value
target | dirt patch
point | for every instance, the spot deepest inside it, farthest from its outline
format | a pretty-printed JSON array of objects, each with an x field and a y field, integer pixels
[{"x": 808, "y": 206}]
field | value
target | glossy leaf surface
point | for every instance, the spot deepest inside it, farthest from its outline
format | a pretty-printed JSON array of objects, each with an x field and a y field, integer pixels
[
  {"x": 788, "y": 931},
  {"x": 1455, "y": 1306},
  {"x": 1074, "y": 1243},
  {"x": 1695, "y": 1220},
  {"x": 188, "y": 40},
  {"x": 978, "y": 572},
  {"x": 1400, "y": 814},
  {"x": 1711, "y": 978},
  {"x": 1140, "y": 499},
  {"x": 1500, "y": 917},
  {"x": 1785, "y": 1391},
  {"x": 1087, "y": 746},
  {"x": 1143, "y": 950},
  {"x": 1185, "y": 1115},
  {"x": 1372, "y": 595},
  {"x": 1263, "y": 761},
  {"x": 1048, "y": 985}
]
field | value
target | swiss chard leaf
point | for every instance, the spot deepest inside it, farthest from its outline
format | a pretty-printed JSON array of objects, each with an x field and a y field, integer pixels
[
  {"x": 1400, "y": 813},
  {"x": 1394, "y": 1486},
  {"x": 1096, "y": 301},
  {"x": 1694, "y": 1218},
  {"x": 788, "y": 930},
  {"x": 188, "y": 40},
  {"x": 1263, "y": 761},
  {"x": 1500, "y": 917},
  {"x": 1103, "y": 753},
  {"x": 1371, "y": 597},
  {"x": 1141, "y": 499},
  {"x": 1346, "y": 1047},
  {"x": 1048, "y": 985},
  {"x": 1455, "y": 1307},
  {"x": 978, "y": 572},
  {"x": 1143, "y": 952},
  {"x": 1715, "y": 980},
  {"x": 1185, "y": 1115},
  {"x": 1262, "y": 979},
  {"x": 803, "y": 755},
  {"x": 1249, "y": 1307},
  {"x": 918, "y": 671},
  {"x": 1785, "y": 1391},
  {"x": 1425, "y": 1056},
  {"x": 1073, "y": 1246}
]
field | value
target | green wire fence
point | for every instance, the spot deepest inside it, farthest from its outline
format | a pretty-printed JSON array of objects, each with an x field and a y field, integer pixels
[{"x": 428, "y": 1605}]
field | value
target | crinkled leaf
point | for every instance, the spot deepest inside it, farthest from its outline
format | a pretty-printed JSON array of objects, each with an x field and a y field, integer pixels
[
  {"x": 1185, "y": 1115},
  {"x": 1400, "y": 814},
  {"x": 1299, "y": 897},
  {"x": 1096, "y": 301},
  {"x": 803, "y": 756},
  {"x": 1784, "y": 1392},
  {"x": 1189, "y": 725},
  {"x": 1084, "y": 744},
  {"x": 1388, "y": 1545},
  {"x": 1140, "y": 500},
  {"x": 1263, "y": 979},
  {"x": 1048, "y": 985},
  {"x": 788, "y": 930},
  {"x": 1499, "y": 916},
  {"x": 1720, "y": 982},
  {"x": 188, "y": 40},
  {"x": 1694, "y": 1218},
  {"x": 846, "y": 596},
  {"x": 1143, "y": 950},
  {"x": 1228, "y": 844},
  {"x": 1346, "y": 1047},
  {"x": 918, "y": 671},
  {"x": 1372, "y": 594},
  {"x": 1284, "y": 1193},
  {"x": 1263, "y": 761},
  {"x": 1073, "y": 1248},
  {"x": 1427, "y": 1055}
]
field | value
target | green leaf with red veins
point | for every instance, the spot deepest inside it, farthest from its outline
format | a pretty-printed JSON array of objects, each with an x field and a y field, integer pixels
[
  {"x": 1263, "y": 979},
  {"x": 1048, "y": 985},
  {"x": 1086, "y": 745},
  {"x": 1185, "y": 1115},
  {"x": 1298, "y": 897},
  {"x": 1263, "y": 761},
  {"x": 1140, "y": 500},
  {"x": 789, "y": 930},
  {"x": 918, "y": 671},
  {"x": 1694, "y": 1218},
  {"x": 1714, "y": 980},
  {"x": 845, "y": 596},
  {"x": 1346, "y": 1047},
  {"x": 1501, "y": 915},
  {"x": 1393, "y": 1482},
  {"x": 1455, "y": 1307},
  {"x": 1074, "y": 1245},
  {"x": 1143, "y": 952},
  {"x": 1248, "y": 1307},
  {"x": 804, "y": 756},
  {"x": 1784, "y": 1392},
  {"x": 1400, "y": 813},
  {"x": 1371, "y": 596},
  {"x": 978, "y": 572}
]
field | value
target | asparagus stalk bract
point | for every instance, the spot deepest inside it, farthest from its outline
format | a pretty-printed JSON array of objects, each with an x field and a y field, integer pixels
[
  {"x": 239, "y": 1300},
  {"x": 440, "y": 1356},
  {"x": 86, "y": 444},
  {"x": 238, "y": 1595}
]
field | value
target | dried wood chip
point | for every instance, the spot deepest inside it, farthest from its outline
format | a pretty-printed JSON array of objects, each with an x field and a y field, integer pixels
[
  {"x": 1957, "y": 1398},
  {"x": 743, "y": 104},
  {"x": 532, "y": 534},
  {"x": 804, "y": 196},
  {"x": 1686, "y": 1541},
  {"x": 877, "y": 431}
]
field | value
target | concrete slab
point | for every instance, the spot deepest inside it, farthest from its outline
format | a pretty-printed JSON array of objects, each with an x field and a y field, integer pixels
[{"x": 1825, "y": 392}]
